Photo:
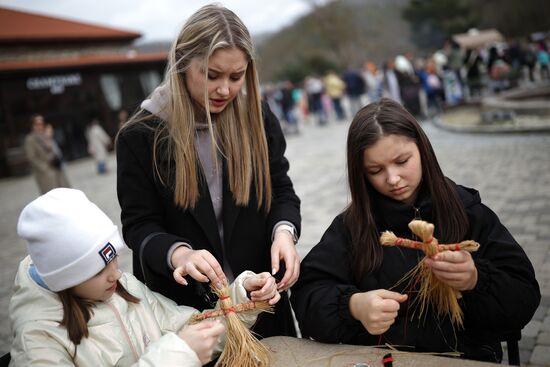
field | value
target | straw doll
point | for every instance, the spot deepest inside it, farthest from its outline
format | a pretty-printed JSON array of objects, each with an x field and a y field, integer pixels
[
  {"x": 432, "y": 291},
  {"x": 242, "y": 348}
]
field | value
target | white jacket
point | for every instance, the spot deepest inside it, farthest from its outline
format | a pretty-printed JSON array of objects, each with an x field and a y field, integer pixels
[
  {"x": 120, "y": 333},
  {"x": 98, "y": 141}
]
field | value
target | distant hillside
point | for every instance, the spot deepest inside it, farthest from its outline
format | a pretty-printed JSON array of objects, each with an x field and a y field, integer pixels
[
  {"x": 155, "y": 46},
  {"x": 340, "y": 33}
]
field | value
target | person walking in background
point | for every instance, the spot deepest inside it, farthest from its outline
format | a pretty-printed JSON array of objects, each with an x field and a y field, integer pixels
[
  {"x": 355, "y": 88},
  {"x": 472, "y": 63},
  {"x": 391, "y": 83},
  {"x": 499, "y": 76},
  {"x": 314, "y": 89},
  {"x": 122, "y": 117},
  {"x": 288, "y": 107},
  {"x": 335, "y": 88},
  {"x": 455, "y": 61},
  {"x": 350, "y": 288},
  {"x": 202, "y": 179},
  {"x": 409, "y": 84},
  {"x": 73, "y": 306},
  {"x": 373, "y": 81},
  {"x": 432, "y": 87},
  {"x": 530, "y": 60},
  {"x": 98, "y": 143},
  {"x": 44, "y": 156},
  {"x": 49, "y": 133},
  {"x": 301, "y": 101},
  {"x": 543, "y": 58}
]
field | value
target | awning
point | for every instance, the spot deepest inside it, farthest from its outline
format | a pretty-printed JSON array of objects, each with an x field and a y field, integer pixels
[
  {"x": 475, "y": 38},
  {"x": 88, "y": 60}
]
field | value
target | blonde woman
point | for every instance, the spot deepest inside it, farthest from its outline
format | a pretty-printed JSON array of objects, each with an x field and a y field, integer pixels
[{"x": 202, "y": 177}]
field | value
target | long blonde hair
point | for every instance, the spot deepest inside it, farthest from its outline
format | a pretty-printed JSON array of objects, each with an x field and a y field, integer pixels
[{"x": 239, "y": 132}]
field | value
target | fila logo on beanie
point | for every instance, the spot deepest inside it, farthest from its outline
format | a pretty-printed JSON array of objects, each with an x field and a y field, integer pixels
[
  {"x": 107, "y": 253},
  {"x": 69, "y": 239}
]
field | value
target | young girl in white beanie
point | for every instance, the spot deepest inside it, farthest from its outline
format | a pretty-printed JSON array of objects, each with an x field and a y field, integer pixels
[{"x": 72, "y": 306}]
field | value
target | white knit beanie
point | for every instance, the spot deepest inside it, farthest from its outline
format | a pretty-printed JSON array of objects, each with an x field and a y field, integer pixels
[{"x": 68, "y": 237}]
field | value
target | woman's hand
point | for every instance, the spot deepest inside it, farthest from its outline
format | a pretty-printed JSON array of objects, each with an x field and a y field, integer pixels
[
  {"x": 455, "y": 268},
  {"x": 201, "y": 265},
  {"x": 202, "y": 338},
  {"x": 283, "y": 248},
  {"x": 376, "y": 309},
  {"x": 262, "y": 287}
]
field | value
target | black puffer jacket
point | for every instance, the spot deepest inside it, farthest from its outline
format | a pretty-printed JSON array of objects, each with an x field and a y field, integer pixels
[{"x": 504, "y": 299}]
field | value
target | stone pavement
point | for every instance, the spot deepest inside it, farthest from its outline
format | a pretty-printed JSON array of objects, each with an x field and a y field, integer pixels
[{"x": 512, "y": 172}]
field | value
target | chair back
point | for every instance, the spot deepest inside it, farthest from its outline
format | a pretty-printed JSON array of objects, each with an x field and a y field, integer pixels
[{"x": 512, "y": 339}]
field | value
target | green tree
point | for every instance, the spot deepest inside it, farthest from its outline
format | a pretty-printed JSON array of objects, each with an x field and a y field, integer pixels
[
  {"x": 433, "y": 20},
  {"x": 312, "y": 65},
  {"x": 334, "y": 35},
  {"x": 514, "y": 18}
]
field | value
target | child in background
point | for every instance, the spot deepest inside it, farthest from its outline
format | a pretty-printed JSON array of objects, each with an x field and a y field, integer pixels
[
  {"x": 348, "y": 290},
  {"x": 72, "y": 306}
]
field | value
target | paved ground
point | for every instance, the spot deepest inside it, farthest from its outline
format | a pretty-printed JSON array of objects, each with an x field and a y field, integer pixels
[{"x": 512, "y": 172}]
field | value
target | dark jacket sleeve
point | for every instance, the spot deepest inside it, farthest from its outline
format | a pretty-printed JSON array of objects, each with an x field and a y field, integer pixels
[
  {"x": 142, "y": 211},
  {"x": 507, "y": 294},
  {"x": 320, "y": 298},
  {"x": 285, "y": 204}
]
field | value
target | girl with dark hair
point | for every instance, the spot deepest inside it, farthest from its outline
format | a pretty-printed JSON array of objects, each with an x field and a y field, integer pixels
[
  {"x": 72, "y": 306},
  {"x": 349, "y": 290}
]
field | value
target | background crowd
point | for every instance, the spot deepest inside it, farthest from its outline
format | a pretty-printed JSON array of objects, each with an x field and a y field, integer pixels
[{"x": 423, "y": 84}]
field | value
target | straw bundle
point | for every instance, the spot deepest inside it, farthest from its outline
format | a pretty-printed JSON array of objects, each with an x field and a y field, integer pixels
[
  {"x": 242, "y": 348},
  {"x": 443, "y": 298}
]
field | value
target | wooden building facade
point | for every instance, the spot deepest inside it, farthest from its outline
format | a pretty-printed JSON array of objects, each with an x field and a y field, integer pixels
[{"x": 71, "y": 73}]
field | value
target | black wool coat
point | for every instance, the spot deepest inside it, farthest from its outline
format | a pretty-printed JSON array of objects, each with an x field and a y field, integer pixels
[
  {"x": 504, "y": 299},
  {"x": 152, "y": 223}
]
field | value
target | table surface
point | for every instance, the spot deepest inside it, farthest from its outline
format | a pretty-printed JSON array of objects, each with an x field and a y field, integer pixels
[{"x": 291, "y": 352}]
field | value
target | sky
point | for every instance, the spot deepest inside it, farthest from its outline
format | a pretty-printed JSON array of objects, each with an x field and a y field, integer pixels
[{"x": 161, "y": 19}]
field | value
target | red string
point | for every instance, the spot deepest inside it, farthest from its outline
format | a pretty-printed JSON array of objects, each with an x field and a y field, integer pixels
[
  {"x": 223, "y": 297},
  {"x": 206, "y": 315},
  {"x": 228, "y": 310}
]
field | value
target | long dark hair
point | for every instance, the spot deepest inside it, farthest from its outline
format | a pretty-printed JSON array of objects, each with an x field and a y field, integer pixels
[
  {"x": 77, "y": 312},
  {"x": 372, "y": 122}
]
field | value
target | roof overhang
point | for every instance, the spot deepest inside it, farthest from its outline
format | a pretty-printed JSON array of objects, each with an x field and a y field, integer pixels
[
  {"x": 82, "y": 61},
  {"x": 476, "y": 39}
]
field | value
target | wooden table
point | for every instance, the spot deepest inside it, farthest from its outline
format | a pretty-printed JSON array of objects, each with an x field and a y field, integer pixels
[{"x": 294, "y": 352}]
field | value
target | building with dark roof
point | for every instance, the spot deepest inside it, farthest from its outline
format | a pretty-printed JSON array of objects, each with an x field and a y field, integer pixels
[{"x": 69, "y": 72}]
